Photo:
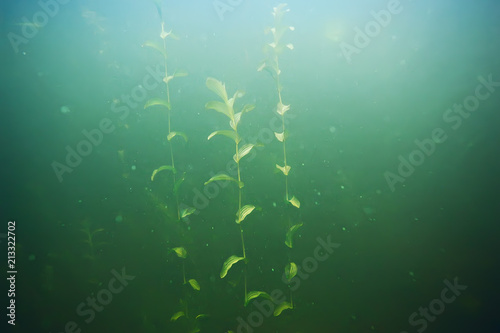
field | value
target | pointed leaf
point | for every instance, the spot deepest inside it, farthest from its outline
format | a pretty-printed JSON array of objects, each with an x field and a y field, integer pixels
[
  {"x": 178, "y": 182},
  {"x": 180, "y": 251},
  {"x": 254, "y": 294},
  {"x": 157, "y": 101},
  {"x": 217, "y": 87},
  {"x": 243, "y": 151},
  {"x": 156, "y": 46},
  {"x": 279, "y": 136},
  {"x": 200, "y": 316},
  {"x": 280, "y": 308},
  {"x": 243, "y": 212},
  {"x": 228, "y": 264},
  {"x": 220, "y": 107},
  {"x": 177, "y": 315},
  {"x": 224, "y": 177},
  {"x": 285, "y": 170},
  {"x": 282, "y": 108},
  {"x": 230, "y": 134},
  {"x": 290, "y": 271},
  {"x": 289, "y": 234},
  {"x": 172, "y": 135},
  {"x": 295, "y": 202},
  {"x": 194, "y": 284},
  {"x": 164, "y": 167},
  {"x": 187, "y": 211}
]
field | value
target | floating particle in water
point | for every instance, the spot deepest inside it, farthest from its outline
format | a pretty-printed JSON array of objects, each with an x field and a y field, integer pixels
[
  {"x": 133, "y": 167},
  {"x": 119, "y": 219},
  {"x": 332, "y": 129},
  {"x": 65, "y": 109}
]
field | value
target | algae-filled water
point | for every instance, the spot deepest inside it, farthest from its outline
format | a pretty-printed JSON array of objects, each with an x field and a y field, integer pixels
[{"x": 250, "y": 166}]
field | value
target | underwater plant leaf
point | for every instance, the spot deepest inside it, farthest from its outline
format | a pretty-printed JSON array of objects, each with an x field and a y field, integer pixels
[
  {"x": 180, "y": 251},
  {"x": 200, "y": 316},
  {"x": 178, "y": 182},
  {"x": 289, "y": 234},
  {"x": 228, "y": 264},
  {"x": 230, "y": 134},
  {"x": 157, "y": 101},
  {"x": 224, "y": 177},
  {"x": 220, "y": 107},
  {"x": 279, "y": 136},
  {"x": 295, "y": 202},
  {"x": 194, "y": 284},
  {"x": 156, "y": 46},
  {"x": 164, "y": 167},
  {"x": 254, "y": 294},
  {"x": 217, "y": 87},
  {"x": 247, "y": 108},
  {"x": 187, "y": 211},
  {"x": 243, "y": 151},
  {"x": 177, "y": 315},
  {"x": 282, "y": 108},
  {"x": 172, "y": 135},
  {"x": 290, "y": 271},
  {"x": 285, "y": 170},
  {"x": 280, "y": 308},
  {"x": 243, "y": 212}
]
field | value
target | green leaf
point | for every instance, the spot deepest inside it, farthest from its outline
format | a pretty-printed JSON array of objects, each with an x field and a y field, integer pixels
[
  {"x": 164, "y": 167},
  {"x": 156, "y": 46},
  {"x": 281, "y": 109},
  {"x": 247, "y": 108},
  {"x": 224, "y": 177},
  {"x": 280, "y": 308},
  {"x": 285, "y": 170},
  {"x": 177, "y": 315},
  {"x": 178, "y": 182},
  {"x": 289, "y": 234},
  {"x": 217, "y": 87},
  {"x": 228, "y": 264},
  {"x": 243, "y": 151},
  {"x": 290, "y": 271},
  {"x": 187, "y": 211},
  {"x": 157, "y": 101},
  {"x": 254, "y": 294},
  {"x": 243, "y": 212},
  {"x": 172, "y": 135},
  {"x": 295, "y": 202},
  {"x": 220, "y": 107},
  {"x": 194, "y": 284},
  {"x": 180, "y": 251},
  {"x": 200, "y": 316},
  {"x": 230, "y": 134}
]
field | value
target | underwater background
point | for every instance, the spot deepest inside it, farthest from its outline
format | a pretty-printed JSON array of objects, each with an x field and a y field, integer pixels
[{"x": 389, "y": 221}]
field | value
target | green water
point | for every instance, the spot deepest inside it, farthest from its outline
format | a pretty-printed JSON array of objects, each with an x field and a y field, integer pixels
[{"x": 391, "y": 136}]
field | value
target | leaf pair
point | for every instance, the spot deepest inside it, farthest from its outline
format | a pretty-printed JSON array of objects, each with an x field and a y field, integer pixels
[{"x": 226, "y": 107}]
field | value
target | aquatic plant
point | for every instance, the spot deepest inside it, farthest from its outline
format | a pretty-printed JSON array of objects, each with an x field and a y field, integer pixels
[
  {"x": 226, "y": 107},
  {"x": 271, "y": 65},
  {"x": 89, "y": 239},
  {"x": 165, "y": 103}
]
